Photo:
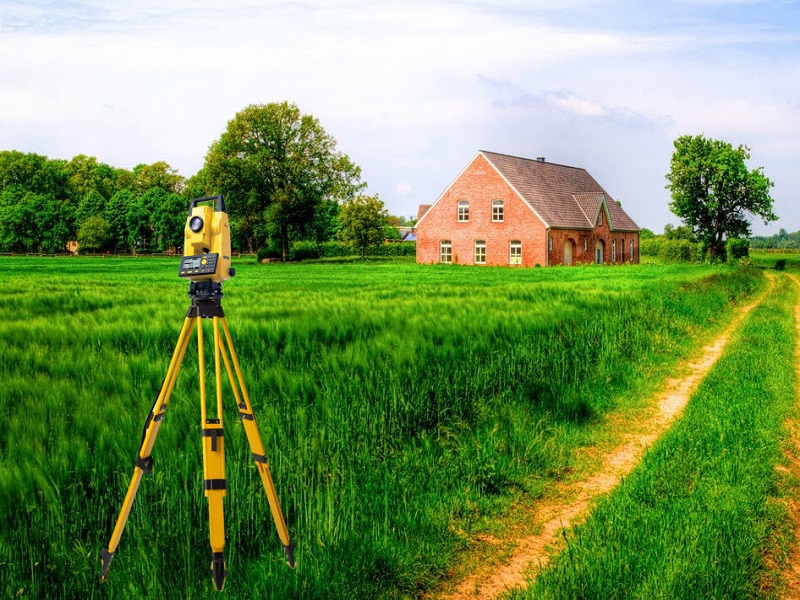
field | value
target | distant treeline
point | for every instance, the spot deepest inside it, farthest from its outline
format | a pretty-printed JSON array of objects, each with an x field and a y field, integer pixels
[
  {"x": 47, "y": 203},
  {"x": 781, "y": 240}
]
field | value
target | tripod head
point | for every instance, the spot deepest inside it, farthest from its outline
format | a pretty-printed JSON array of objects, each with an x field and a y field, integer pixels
[{"x": 207, "y": 245}]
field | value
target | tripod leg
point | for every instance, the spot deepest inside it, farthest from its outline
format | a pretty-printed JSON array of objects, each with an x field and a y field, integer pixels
[
  {"x": 144, "y": 462},
  {"x": 214, "y": 483},
  {"x": 256, "y": 445}
]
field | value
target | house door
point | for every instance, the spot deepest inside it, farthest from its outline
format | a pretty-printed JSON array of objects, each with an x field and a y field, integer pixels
[
  {"x": 568, "y": 252},
  {"x": 598, "y": 252}
]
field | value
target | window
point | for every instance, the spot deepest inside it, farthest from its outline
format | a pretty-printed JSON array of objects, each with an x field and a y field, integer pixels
[
  {"x": 515, "y": 253},
  {"x": 630, "y": 251},
  {"x": 480, "y": 252},
  {"x": 600, "y": 219},
  {"x": 497, "y": 211},
  {"x": 613, "y": 250},
  {"x": 463, "y": 211},
  {"x": 550, "y": 244},
  {"x": 585, "y": 243},
  {"x": 445, "y": 252}
]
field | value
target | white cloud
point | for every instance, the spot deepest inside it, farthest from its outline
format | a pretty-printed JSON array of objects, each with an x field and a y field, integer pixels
[{"x": 412, "y": 89}]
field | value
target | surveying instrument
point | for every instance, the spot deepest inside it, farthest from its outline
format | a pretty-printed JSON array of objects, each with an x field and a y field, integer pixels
[{"x": 206, "y": 263}]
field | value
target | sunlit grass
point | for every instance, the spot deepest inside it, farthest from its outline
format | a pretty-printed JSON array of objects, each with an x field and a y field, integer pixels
[{"x": 399, "y": 406}]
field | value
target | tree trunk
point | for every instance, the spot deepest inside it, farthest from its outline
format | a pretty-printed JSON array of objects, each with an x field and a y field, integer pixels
[{"x": 284, "y": 243}]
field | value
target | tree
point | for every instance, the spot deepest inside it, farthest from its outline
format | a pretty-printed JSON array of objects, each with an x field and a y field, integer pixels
[
  {"x": 92, "y": 204},
  {"x": 168, "y": 218},
  {"x": 157, "y": 175},
  {"x": 275, "y": 167},
  {"x": 714, "y": 193},
  {"x": 116, "y": 214},
  {"x": 363, "y": 219},
  {"x": 681, "y": 232},
  {"x": 93, "y": 234}
]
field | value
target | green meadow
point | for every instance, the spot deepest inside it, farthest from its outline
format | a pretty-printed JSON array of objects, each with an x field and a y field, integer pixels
[{"x": 403, "y": 409}]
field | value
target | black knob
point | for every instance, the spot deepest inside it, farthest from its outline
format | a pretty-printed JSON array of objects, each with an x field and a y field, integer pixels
[{"x": 231, "y": 271}]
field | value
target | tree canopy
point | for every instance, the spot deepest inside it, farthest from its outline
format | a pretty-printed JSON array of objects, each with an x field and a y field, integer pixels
[
  {"x": 714, "y": 193},
  {"x": 276, "y": 167},
  {"x": 363, "y": 219}
]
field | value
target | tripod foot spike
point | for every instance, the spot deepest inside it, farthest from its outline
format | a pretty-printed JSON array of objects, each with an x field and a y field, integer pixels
[
  {"x": 289, "y": 552},
  {"x": 107, "y": 556},
  {"x": 218, "y": 570}
]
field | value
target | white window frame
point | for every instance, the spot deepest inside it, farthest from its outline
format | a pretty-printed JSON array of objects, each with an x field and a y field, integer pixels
[
  {"x": 480, "y": 252},
  {"x": 463, "y": 211},
  {"x": 613, "y": 250},
  {"x": 498, "y": 211},
  {"x": 515, "y": 252},
  {"x": 445, "y": 252},
  {"x": 630, "y": 253}
]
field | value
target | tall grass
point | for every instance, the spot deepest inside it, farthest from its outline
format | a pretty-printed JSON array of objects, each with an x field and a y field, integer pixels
[
  {"x": 400, "y": 405},
  {"x": 697, "y": 517}
]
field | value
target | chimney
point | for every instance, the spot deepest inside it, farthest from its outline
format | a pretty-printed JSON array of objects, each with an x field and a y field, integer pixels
[{"x": 540, "y": 158}]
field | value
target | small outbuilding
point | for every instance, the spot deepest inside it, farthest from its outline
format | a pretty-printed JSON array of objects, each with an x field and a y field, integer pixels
[{"x": 506, "y": 210}]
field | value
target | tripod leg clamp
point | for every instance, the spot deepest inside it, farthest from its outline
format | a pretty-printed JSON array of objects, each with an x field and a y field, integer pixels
[{"x": 145, "y": 464}]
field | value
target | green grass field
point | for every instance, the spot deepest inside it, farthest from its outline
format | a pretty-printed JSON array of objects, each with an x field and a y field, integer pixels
[{"x": 402, "y": 407}]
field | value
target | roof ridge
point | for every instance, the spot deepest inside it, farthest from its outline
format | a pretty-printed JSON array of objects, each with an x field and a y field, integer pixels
[{"x": 532, "y": 160}]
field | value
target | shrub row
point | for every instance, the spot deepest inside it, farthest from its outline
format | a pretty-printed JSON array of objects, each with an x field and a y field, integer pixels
[
  {"x": 672, "y": 250},
  {"x": 313, "y": 250},
  {"x": 686, "y": 251}
]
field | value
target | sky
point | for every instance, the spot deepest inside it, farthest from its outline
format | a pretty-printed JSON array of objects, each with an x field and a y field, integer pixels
[{"x": 412, "y": 89}]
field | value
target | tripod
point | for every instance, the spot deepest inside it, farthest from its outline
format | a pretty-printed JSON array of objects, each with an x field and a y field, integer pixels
[{"x": 206, "y": 297}]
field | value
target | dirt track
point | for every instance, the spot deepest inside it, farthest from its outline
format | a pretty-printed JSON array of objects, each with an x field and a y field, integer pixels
[{"x": 572, "y": 502}]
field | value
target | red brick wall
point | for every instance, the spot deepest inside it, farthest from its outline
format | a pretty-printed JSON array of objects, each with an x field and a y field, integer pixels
[
  {"x": 480, "y": 184},
  {"x": 589, "y": 239}
]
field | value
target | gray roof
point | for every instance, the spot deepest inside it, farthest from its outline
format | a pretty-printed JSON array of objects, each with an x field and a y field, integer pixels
[{"x": 563, "y": 197}]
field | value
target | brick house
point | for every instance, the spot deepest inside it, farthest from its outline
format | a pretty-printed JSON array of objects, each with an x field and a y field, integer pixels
[{"x": 505, "y": 210}]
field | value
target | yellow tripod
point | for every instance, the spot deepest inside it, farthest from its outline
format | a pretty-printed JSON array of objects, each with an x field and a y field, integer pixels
[{"x": 206, "y": 297}]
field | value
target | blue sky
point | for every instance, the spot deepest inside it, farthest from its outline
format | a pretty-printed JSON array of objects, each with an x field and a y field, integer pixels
[{"x": 411, "y": 90}]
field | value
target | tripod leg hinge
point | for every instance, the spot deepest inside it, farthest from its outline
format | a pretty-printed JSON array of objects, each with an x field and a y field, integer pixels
[
  {"x": 246, "y": 416},
  {"x": 145, "y": 464}
]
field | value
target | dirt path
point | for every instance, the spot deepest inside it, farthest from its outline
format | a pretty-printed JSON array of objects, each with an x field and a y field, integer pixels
[
  {"x": 572, "y": 501},
  {"x": 792, "y": 574}
]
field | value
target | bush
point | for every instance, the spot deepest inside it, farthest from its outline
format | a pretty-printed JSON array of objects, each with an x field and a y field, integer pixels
[
  {"x": 341, "y": 250},
  {"x": 736, "y": 248},
  {"x": 271, "y": 251},
  {"x": 780, "y": 264},
  {"x": 304, "y": 251},
  {"x": 672, "y": 250}
]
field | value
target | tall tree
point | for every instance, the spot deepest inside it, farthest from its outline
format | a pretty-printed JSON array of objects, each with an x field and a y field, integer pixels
[
  {"x": 158, "y": 175},
  {"x": 275, "y": 167},
  {"x": 714, "y": 193},
  {"x": 116, "y": 214},
  {"x": 363, "y": 219},
  {"x": 169, "y": 218}
]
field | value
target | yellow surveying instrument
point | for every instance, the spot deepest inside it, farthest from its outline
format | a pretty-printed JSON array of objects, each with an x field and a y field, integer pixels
[{"x": 206, "y": 263}]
